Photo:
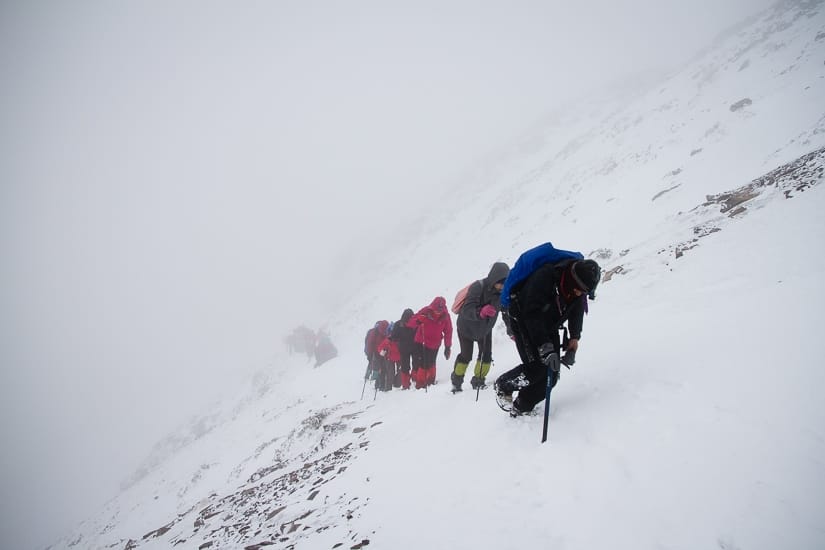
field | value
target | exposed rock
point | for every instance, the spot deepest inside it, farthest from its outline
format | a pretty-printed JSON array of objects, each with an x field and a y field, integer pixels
[
  {"x": 618, "y": 270},
  {"x": 601, "y": 254},
  {"x": 663, "y": 191},
  {"x": 732, "y": 199},
  {"x": 242, "y": 518},
  {"x": 160, "y": 531},
  {"x": 741, "y": 104},
  {"x": 795, "y": 176}
]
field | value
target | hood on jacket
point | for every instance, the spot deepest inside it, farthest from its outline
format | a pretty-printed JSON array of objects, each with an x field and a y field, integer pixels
[
  {"x": 498, "y": 273},
  {"x": 406, "y": 315},
  {"x": 438, "y": 306},
  {"x": 382, "y": 327}
]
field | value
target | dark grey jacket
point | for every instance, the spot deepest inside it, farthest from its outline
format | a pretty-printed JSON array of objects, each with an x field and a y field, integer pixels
[{"x": 481, "y": 293}]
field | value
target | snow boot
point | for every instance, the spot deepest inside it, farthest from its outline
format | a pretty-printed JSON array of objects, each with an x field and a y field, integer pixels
[
  {"x": 457, "y": 379},
  {"x": 405, "y": 380},
  {"x": 430, "y": 376},
  {"x": 516, "y": 410},
  {"x": 504, "y": 399}
]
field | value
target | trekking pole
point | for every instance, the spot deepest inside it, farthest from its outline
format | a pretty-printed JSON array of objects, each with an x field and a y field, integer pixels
[
  {"x": 480, "y": 367},
  {"x": 551, "y": 368},
  {"x": 366, "y": 377}
]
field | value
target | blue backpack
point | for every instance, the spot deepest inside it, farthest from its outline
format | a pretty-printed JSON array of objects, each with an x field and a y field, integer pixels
[{"x": 530, "y": 261}]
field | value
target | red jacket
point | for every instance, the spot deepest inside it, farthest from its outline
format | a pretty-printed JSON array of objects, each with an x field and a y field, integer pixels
[
  {"x": 432, "y": 322},
  {"x": 391, "y": 348},
  {"x": 374, "y": 337}
]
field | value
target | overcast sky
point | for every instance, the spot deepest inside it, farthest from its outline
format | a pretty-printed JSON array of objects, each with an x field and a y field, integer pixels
[{"x": 177, "y": 180}]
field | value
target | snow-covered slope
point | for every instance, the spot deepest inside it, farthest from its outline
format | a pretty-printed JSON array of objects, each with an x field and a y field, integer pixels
[{"x": 692, "y": 418}]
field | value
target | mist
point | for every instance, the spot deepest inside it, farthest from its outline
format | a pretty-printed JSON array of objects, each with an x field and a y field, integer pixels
[{"x": 181, "y": 182}]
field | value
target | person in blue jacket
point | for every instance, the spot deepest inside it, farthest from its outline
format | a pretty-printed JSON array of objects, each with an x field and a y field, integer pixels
[{"x": 538, "y": 307}]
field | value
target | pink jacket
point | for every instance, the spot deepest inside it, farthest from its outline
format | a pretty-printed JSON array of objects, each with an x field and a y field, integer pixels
[{"x": 431, "y": 323}]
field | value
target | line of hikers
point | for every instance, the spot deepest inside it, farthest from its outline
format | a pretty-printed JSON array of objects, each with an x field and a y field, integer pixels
[{"x": 546, "y": 288}]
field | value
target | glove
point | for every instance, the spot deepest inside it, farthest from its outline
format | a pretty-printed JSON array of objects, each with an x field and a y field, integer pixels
[
  {"x": 383, "y": 353},
  {"x": 487, "y": 312},
  {"x": 447, "y": 352},
  {"x": 548, "y": 356},
  {"x": 569, "y": 358}
]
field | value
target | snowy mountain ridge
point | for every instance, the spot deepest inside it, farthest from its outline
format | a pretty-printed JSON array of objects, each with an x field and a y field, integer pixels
[
  {"x": 663, "y": 153},
  {"x": 677, "y": 194}
]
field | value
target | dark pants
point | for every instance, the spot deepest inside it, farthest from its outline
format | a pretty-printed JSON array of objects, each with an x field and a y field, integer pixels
[
  {"x": 386, "y": 374},
  {"x": 530, "y": 377},
  {"x": 424, "y": 357},
  {"x": 406, "y": 357},
  {"x": 485, "y": 349}
]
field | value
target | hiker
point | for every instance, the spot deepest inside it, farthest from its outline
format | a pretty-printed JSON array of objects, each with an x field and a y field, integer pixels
[
  {"x": 324, "y": 348},
  {"x": 388, "y": 349},
  {"x": 302, "y": 340},
  {"x": 476, "y": 318},
  {"x": 536, "y": 308},
  {"x": 404, "y": 336},
  {"x": 375, "y": 362},
  {"x": 431, "y": 324}
]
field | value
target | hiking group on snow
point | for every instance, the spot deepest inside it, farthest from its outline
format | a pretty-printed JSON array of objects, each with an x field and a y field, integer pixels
[{"x": 546, "y": 288}]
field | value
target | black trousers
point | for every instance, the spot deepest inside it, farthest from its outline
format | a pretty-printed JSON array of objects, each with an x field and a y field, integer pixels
[
  {"x": 530, "y": 377},
  {"x": 424, "y": 357},
  {"x": 485, "y": 349},
  {"x": 406, "y": 357}
]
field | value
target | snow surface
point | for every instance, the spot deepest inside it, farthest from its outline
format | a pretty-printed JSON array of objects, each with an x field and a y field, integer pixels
[{"x": 692, "y": 418}]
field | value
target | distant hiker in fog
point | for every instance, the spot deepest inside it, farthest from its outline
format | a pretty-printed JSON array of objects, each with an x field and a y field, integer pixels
[
  {"x": 404, "y": 336},
  {"x": 301, "y": 340},
  {"x": 431, "y": 324},
  {"x": 324, "y": 348},
  {"x": 545, "y": 288},
  {"x": 477, "y": 315}
]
